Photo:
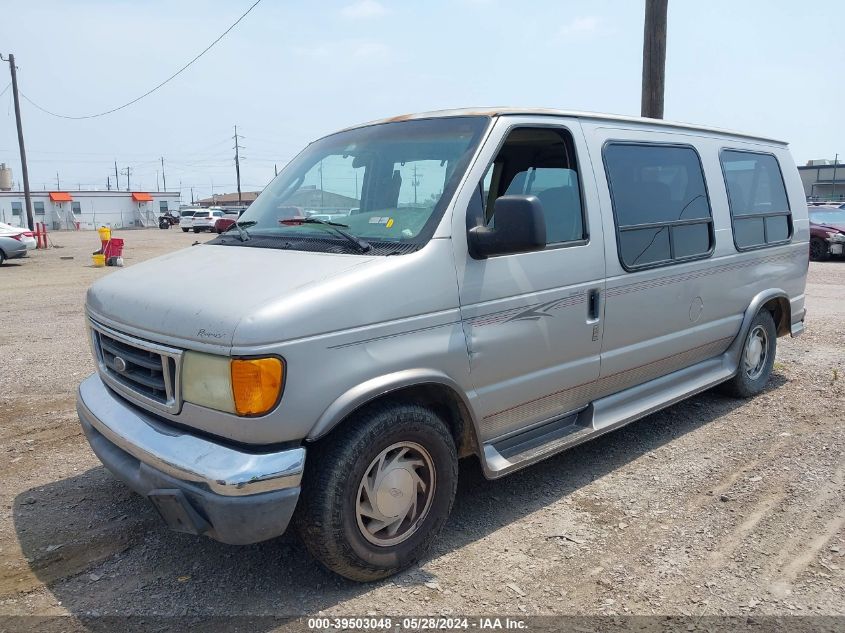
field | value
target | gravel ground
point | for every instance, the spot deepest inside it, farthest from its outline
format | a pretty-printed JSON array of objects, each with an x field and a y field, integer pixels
[{"x": 713, "y": 506}]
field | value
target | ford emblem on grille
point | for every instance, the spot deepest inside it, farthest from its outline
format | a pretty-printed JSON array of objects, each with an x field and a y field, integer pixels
[{"x": 119, "y": 364}]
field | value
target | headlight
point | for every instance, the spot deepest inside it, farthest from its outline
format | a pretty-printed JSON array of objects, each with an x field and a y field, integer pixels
[
  {"x": 836, "y": 237},
  {"x": 245, "y": 386}
]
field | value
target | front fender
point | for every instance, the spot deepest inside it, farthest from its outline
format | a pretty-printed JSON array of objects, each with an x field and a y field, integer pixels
[{"x": 374, "y": 388}]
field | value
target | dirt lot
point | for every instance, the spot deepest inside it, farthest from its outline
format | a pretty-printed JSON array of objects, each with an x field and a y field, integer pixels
[{"x": 714, "y": 506}]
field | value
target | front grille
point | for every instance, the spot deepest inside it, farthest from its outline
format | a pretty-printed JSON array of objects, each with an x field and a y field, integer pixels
[{"x": 139, "y": 369}]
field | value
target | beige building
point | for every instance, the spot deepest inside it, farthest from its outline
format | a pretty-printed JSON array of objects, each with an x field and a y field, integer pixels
[{"x": 228, "y": 199}]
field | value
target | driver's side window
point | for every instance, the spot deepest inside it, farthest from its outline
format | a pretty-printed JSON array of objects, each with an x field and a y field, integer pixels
[{"x": 540, "y": 162}]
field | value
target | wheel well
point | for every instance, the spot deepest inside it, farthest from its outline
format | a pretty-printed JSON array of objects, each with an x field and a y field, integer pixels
[
  {"x": 442, "y": 400},
  {"x": 781, "y": 313}
]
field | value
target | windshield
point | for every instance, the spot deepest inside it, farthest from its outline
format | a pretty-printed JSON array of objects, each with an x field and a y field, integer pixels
[
  {"x": 830, "y": 216},
  {"x": 383, "y": 183}
]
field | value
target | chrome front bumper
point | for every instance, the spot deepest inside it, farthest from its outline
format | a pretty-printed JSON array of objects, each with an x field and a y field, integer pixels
[{"x": 185, "y": 457}]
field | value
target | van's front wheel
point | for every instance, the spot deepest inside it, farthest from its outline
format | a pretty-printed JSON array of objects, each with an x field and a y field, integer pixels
[{"x": 378, "y": 491}]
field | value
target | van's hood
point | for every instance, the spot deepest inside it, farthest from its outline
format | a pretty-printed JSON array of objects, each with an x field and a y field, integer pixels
[{"x": 202, "y": 293}]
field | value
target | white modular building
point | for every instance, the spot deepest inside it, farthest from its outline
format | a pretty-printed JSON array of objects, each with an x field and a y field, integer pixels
[{"x": 85, "y": 210}]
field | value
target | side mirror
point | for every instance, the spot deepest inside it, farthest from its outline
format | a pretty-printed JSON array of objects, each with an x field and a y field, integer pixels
[{"x": 520, "y": 227}]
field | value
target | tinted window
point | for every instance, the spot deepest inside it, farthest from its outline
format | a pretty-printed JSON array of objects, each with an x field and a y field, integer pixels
[
  {"x": 540, "y": 162},
  {"x": 660, "y": 203},
  {"x": 750, "y": 231},
  {"x": 39, "y": 208},
  {"x": 76, "y": 207},
  {"x": 757, "y": 199},
  {"x": 17, "y": 208}
]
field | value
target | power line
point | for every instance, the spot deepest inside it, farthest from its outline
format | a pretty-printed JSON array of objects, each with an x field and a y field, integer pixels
[
  {"x": 151, "y": 91},
  {"x": 8, "y": 85}
]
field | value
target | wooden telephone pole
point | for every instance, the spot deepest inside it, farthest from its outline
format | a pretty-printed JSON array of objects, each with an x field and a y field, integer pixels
[
  {"x": 24, "y": 169},
  {"x": 654, "y": 58},
  {"x": 237, "y": 149}
]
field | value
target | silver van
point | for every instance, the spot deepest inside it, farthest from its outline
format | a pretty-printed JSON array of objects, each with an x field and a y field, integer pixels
[{"x": 502, "y": 283}]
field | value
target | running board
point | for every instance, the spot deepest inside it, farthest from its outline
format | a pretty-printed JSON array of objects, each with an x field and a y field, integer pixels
[{"x": 606, "y": 414}]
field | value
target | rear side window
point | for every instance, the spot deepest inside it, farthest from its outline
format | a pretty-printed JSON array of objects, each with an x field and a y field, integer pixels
[
  {"x": 660, "y": 204},
  {"x": 757, "y": 197}
]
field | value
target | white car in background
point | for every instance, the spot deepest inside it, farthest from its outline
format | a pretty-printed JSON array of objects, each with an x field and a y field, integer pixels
[
  {"x": 186, "y": 218},
  {"x": 204, "y": 219},
  {"x": 22, "y": 234}
]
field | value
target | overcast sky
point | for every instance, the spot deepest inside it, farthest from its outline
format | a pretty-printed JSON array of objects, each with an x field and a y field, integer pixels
[{"x": 293, "y": 71}]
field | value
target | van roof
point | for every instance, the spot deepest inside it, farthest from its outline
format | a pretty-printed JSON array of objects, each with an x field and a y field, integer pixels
[{"x": 597, "y": 116}]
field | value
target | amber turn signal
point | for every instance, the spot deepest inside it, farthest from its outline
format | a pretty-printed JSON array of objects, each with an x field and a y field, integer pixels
[{"x": 257, "y": 384}]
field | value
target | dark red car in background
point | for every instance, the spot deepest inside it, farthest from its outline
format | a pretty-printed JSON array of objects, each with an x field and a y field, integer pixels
[
  {"x": 827, "y": 231},
  {"x": 221, "y": 225}
]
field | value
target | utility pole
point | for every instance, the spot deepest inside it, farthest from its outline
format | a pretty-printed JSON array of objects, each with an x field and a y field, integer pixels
[
  {"x": 108, "y": 183},
  {"x": 126, "y": 171},
  {"x": 238, "y": 164},
  {"x": 833, "y": 184},
  {"x": 275, "y": 169},
  {"x": 58, "y": 184},
  {"x": 116, "y": 177},
  {"x": 163, "y": 175},
  {"x": 24, "y": 169},
  {"x": 192, "y": 195},
  {"x": 157, "y": 187},
  {"x": 322, "y": 197},
  {"x": 415, "y": 181},
  {"x": 654, "y": 58}
]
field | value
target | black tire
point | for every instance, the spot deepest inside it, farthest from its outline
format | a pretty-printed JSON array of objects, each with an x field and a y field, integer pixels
[
  {"x": 747, "y": 383},
  {"x": 327, "y": 517},
  {"x": 819, "y": 249},
  {"x": 196, "y": 230},
  {"x": 185, "y": 230},
  {"x": 2, "y": 257}
]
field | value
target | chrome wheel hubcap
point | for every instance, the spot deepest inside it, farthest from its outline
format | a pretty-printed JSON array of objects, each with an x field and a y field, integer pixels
[
  {"x": 756, "y": 352},
  {"x": 395, "y": 494}
]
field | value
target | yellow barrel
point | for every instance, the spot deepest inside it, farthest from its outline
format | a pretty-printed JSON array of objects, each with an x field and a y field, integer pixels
[
  {"x": 99, "y": 259},
  {"x": 105, "y": 233}
]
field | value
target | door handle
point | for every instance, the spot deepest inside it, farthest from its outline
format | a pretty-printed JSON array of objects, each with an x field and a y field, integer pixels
[{"x": 593, "y": 305}]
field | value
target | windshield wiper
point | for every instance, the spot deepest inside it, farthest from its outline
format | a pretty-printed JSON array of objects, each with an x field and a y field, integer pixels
[
  {"x": 362, "y": 246},
  {"x": 239, "y": 226}
]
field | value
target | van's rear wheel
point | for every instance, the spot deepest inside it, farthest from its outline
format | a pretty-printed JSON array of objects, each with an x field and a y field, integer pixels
[
  {"x": 757, "y": 358},
  {"x": 377, "y": 492}
]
